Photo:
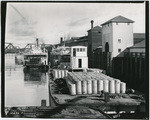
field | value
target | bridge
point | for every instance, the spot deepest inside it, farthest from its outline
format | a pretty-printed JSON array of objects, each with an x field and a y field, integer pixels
[{"x": 10, "y": 48}]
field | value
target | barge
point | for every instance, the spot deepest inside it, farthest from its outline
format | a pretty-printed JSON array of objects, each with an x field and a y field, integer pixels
[{"x": 96, "y": 90}]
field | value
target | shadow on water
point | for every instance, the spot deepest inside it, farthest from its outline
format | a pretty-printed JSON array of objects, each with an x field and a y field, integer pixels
[{"x": 33, "y": 76}]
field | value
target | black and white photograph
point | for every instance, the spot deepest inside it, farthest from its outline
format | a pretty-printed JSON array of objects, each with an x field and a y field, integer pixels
[{"x": 75, "y": 60}]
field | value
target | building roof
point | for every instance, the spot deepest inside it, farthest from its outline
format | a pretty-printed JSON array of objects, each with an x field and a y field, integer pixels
[
  {"x": 83, "y": 37},
  {"x": 119, "y": 19},
  {"x": 139, "y": 45},
  {"x": 139, "y": 35},
  {"x": 122, "y": 53},
  {"x": 96, "y": 28}
]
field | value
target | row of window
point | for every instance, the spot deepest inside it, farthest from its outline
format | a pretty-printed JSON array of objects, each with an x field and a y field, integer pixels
[{"x": 79, "y": 49}]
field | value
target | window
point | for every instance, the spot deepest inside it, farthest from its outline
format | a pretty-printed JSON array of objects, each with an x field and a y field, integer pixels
[
  {"x": 116, "y": 23},
  {"x": 83, "y": 49},
  {"x": 119, "y": 50},
  {"x": 74, "y": 52},
  {"x": 119, "y": 40},
  {"x": 128, "y": 23},
  {"x": 77, "y": 49},
  {"x": 80, "y": 49}
]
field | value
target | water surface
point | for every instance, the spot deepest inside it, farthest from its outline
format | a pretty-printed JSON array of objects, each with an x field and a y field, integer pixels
[{"x": 24, "y": 89}]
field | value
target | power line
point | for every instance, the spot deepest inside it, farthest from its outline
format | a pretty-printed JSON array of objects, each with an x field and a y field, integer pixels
[
  {"x": 35, "y": 34},
  {"x": 19, "y": 14}
]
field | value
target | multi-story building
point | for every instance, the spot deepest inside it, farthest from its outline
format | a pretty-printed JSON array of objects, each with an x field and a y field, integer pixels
[
  {"x": 117, "y": 35},
  {"x": 92, "y": 40}
]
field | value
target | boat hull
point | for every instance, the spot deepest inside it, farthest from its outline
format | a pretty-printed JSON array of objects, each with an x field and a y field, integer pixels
[{"x": 42, "y": 68}]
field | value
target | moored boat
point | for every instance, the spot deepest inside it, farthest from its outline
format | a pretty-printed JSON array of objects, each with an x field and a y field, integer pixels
[{"x": 36, "y": 58}]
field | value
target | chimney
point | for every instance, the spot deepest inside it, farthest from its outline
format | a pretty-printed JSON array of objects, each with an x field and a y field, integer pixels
[
  {"x": 92, "y": 24},
  {"x": 37, "y": 42},
  {"x": 61, "y": 40}
]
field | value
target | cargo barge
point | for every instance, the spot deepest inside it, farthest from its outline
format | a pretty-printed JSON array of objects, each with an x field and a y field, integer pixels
[{"x": 96, "y": 90}]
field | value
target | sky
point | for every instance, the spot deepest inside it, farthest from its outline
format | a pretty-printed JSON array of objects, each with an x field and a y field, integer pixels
[{"x": 50, "y": 21}]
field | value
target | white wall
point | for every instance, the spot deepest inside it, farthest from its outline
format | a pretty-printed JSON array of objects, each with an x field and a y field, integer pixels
[
  {"x": 74, "y": 62},
  {"x": 79, "y": 55},
  {"x": 124, "y": 32},
  {"x": 9, "y": 59},
  {"x": 112, "y": 32},
  {"x": 107, "y": 36}
]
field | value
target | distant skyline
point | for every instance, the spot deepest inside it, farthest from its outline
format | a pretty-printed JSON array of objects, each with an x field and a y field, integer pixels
[{"x": 50, "y": 21}]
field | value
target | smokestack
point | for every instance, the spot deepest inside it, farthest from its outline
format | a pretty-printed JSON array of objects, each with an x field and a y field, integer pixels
[
  {"x": 61, "y": 40},
  {"x": 92, "y": 24},
  {"x": 37, "y": 42}
]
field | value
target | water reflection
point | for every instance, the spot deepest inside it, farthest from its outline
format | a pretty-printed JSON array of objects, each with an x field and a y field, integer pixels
[
  {"x": 35, "y": 77},
  {"x": 24, "y": 89}
]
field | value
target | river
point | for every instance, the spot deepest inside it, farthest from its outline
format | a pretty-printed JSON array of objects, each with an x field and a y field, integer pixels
[{"x": 24, "y": 89}]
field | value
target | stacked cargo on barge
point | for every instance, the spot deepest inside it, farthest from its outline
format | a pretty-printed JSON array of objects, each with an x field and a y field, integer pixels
[{"x": 93, "y": 83}]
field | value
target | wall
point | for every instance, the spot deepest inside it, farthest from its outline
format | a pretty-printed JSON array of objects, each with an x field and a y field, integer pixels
[
  {"x": 74, "y": 62},
  {"x": 9, "y": 59},
  {"x": 94, "y": 38},
  {"x": 124, "y": 32},
  {"x": 94, "y": 41},
  {"x": 107, "y": 37},
  {"x": 112, "y": 32},
  {"x": 131, "y": 69},
  {"x": 137, "y": 50},
  {"x": 79, "y": 55}
]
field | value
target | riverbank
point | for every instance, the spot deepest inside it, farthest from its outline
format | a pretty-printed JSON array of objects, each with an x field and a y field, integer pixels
[
  {"x": 64, "y": 105},
  {"x": 117, "y": 103}
]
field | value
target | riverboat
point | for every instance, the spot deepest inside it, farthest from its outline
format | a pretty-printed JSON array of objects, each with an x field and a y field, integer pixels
[{"x": 36, "y": 58}]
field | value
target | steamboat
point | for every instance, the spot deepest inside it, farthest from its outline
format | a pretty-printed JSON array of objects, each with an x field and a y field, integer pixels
[{"x": 36, "y": 58}]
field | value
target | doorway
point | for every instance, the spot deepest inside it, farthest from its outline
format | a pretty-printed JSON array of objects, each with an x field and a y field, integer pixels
[
  {"x": 79, "y": 63},
  {"x": 106, "y": 47}
]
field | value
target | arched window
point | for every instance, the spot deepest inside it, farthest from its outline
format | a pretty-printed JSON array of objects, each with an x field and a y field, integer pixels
[{"x": 106, "y": 47}]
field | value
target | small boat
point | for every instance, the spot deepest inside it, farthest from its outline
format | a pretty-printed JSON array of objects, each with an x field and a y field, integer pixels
[{"x": 36, "y": 58}]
